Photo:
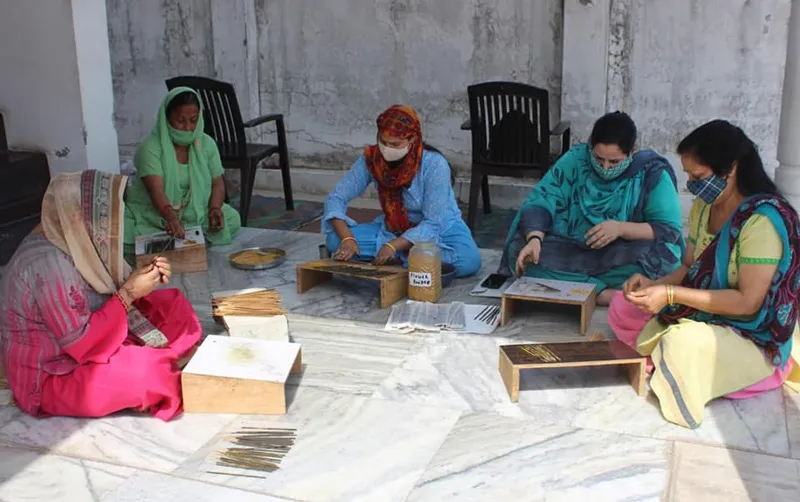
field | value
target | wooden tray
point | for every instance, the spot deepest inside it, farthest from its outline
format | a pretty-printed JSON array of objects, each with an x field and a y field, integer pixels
[
  {"x": 239, "y": 375},
  {"x": 514, "y": 358},
  {"x": 393, "y": 280},
  {"x": 586, "y": 301}
]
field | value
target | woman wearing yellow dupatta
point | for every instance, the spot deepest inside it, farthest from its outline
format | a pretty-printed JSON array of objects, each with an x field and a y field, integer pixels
[{"x": 179, "y": 177}]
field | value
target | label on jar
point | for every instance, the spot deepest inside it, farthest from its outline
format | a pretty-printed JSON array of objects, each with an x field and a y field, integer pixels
[{"x": 420, "y": 279}]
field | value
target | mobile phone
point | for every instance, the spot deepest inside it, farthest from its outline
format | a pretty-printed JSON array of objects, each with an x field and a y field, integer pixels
[{"x": 494, "y": 281}]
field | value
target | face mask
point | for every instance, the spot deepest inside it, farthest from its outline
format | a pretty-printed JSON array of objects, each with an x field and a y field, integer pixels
[
  {"x": 708, "y": 189},
  {"x": 180, "y": 137},
  {"x": 392, "y": 154},
  {"x": 613, "y": 171}
]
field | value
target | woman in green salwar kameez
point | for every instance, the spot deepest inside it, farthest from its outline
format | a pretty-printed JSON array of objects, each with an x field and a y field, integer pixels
[
  {"x": 178, "y": 181},
  {"x": 601, "y": 214}
]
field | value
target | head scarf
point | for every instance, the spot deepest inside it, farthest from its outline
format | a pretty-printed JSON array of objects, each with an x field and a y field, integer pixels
[
  {"x": 398, "y": 121},
  {"x": 82, "y": 215},
  {"x": 195, "y": 204}
]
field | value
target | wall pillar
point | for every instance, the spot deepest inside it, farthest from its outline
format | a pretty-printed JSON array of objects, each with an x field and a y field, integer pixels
[{"x": 787, "y": 175}]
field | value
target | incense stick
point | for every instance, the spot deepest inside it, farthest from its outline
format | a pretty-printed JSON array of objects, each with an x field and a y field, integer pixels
[{"x": 256, "y": 449}]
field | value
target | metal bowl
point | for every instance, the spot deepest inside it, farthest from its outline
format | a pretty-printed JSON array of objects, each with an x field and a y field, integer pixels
[{"x": 277, "y": 262}]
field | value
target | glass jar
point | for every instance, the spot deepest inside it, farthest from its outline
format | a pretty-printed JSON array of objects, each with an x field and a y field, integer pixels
[{"x": 425, "y": 272}]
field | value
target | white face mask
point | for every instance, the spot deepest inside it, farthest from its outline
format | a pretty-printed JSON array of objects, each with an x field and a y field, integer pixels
[{"x": 392, "y": 154}]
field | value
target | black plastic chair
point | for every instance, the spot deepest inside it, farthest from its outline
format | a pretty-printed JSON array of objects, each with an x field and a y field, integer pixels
[
  {"x": 223, "y": 122},
  {"x": 510, "y": 126}
]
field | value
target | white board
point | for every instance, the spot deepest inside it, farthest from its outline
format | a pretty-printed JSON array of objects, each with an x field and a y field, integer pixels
[{"x": 244, "y": 358}]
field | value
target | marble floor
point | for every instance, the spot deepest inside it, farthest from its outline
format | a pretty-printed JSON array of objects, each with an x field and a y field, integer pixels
[{"x": 393, "y": 417}]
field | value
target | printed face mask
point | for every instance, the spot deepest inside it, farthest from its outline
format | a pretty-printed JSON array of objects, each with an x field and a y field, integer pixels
[
  {"x": 613, "y": 171},
  {"x": 708, "y": 189},
  {"x": 392, "y": 154}
]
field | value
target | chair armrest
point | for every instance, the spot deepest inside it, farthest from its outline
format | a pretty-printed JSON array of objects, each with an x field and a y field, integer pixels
[
  {"x": 467, "y": 125},
  {"x": 273, "y": 117},
  {"x": 560, "y": 128}
]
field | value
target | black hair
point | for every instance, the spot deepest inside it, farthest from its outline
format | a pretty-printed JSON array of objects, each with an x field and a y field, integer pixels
[
  {"x": 184, "y": 98},
  {"x": 719, "y": 145},
  {"x": 615, "y": 128}
]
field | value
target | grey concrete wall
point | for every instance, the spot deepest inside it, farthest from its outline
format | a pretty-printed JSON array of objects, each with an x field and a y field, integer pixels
[
  {"x": 331, "y": 66},
  {"x": 691, "y": 61},
  {"x": 676, "y": 64}
]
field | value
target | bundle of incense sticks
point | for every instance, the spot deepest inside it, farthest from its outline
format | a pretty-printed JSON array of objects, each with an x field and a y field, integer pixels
[
  {"x": 256, "y": 449},
  {"x": 541, "y": 352},
  {"x": 264, "y": 303}
]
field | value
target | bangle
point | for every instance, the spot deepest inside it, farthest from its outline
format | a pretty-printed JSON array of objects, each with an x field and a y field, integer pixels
[
  {"x": 534, "y": 238},
  {"x": 122, "y": 300},
  {"x": 214, "y": 209},
  {"x": 670, "y": 295},
  {"x": 391, "y": 246},
  {"x": 349, "y": 238}
]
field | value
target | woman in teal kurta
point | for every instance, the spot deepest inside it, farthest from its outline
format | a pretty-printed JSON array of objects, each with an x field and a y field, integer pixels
[
  {"x": 601, "y": 214},
  {"x": 178, "y": 181}
]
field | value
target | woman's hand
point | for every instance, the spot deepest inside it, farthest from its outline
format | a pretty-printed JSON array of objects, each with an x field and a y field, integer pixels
[
  {"x": 529, "y": 254},
  {"x": 164, "y": 268},
  {"x": 216, "y": 220},
  {"x": 385, "y": 254},
  {"x": 174, "y": 227},
  {"x": 651, "y": 299},
  {"x": 635, "y": 283},
  {"x": 143, "y": 281},
  {"x": 600, "y": 236},
  {"x": 347, "y": 250}
]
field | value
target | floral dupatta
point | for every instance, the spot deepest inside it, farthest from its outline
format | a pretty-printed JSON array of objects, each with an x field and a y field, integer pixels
[
  {"x": 773, "y": 326},
  {"x": 82, "y": 215}
]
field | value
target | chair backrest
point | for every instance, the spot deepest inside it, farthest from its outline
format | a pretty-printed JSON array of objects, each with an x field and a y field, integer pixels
[
  {"x": 510, "y": 124},
  {"x": 223, "y": 119}
]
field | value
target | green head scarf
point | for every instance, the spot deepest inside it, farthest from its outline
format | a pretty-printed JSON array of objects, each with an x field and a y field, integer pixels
[{"x": 195, "y": 202}]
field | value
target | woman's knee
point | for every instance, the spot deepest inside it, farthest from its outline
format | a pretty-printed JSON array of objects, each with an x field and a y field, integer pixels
[
  {"x": 468, "y": 262},
  {"x": 332, "y": 241}
]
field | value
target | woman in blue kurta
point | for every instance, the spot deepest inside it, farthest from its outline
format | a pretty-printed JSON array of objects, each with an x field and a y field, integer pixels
[
  {"x": 416, "y": 196},
  {"x": 601, "y": 214}
]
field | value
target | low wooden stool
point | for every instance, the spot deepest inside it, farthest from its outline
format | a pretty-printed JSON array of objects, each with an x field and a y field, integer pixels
[
  {"x": 393, "y": 280},
  {"x": 514, "y": 358},
  {"x": 571, "y": 293}
]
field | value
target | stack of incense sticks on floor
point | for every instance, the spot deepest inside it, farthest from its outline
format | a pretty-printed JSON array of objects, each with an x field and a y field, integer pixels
[
  {"x": 264, "y": 303},
  {"x": 255, "y": 449}
]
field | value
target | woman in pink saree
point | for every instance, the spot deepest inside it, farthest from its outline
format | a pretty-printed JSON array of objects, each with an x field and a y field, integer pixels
[{"x": 80, "y": 335}]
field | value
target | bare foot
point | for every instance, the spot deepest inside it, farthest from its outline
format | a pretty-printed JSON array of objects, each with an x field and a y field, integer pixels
[
  {"x": 604, "y": 298},
  {"x": 597, "y": 336}
]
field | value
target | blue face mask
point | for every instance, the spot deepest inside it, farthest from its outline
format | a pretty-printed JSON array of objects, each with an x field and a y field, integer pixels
[
  {"x": 613, "y": 171},
  {"x": 707, "y": 189}
]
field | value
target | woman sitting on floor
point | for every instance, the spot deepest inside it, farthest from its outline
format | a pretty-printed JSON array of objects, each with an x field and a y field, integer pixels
[
  {"x": 178, "y": 180},
  {"x": 416, "y": 195},
  {"x": 727, "y": 317},
  {"x": 80, "y": 335},
  {"x": 601, "y": 214}
]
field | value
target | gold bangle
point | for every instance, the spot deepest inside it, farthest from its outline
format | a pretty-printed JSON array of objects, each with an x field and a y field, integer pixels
[
  {"x": 122, "y": 300},
  {"x": 391, "y": 246},
  {"x": 670, "y": 295},
  {"x": 351, "y": 238}
]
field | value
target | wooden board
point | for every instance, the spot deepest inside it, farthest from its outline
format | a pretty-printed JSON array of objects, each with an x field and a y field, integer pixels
[
  {"x": 393, "y": 280},
  {"x": 514, "y": 358},
  {"x": 188, "y": 256},
  {"x": 586, "y": 300},
  {"x": 239, "y": 375}
]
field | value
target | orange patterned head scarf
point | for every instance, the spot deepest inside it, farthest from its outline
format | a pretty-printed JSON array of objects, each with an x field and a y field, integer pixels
[{"x": 402, "y": 122}]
